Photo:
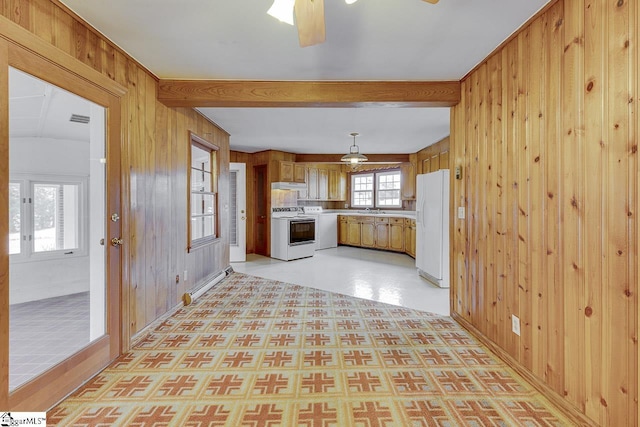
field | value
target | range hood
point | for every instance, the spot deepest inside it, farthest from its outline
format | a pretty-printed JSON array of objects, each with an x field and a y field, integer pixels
[{"x": 288, "y": 186}]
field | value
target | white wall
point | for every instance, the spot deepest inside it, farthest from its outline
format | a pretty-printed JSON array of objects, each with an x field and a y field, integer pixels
[{"x": 36, "y": 280}]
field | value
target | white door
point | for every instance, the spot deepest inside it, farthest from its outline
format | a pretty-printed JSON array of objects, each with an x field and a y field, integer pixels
[{"x": 238, "y": 212}]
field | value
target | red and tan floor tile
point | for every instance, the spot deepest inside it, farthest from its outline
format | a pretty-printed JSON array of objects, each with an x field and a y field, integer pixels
[{"x": 256, "y": 352}]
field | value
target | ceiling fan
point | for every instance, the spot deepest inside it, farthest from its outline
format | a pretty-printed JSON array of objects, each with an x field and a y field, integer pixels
[{"x": 309, "y": 17}]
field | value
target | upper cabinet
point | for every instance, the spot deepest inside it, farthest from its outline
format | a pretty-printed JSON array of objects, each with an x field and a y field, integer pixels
[
  {"x": 325, "y": 182},
  {"x": 291, "y": 172}
]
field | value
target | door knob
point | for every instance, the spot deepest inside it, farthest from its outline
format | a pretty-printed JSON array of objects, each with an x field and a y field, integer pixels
[
  {"x": 115, "y": 242},
  {"x": 242, "y": 218}
]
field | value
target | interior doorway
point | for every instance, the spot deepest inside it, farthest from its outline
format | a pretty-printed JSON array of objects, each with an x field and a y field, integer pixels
[{"x": 238, "y": 212}]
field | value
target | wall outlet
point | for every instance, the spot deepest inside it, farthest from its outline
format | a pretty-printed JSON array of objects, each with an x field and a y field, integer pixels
[
  {"x": 184, "y": 276},
  {"x": 515, "y": 324},
  {"x": 346, "y": 205},
  {"x": 177, "y": 278},
  {"x": 460, "y": 212}
]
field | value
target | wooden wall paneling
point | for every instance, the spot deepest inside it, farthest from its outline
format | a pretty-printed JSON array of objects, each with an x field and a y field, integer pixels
[
  {"x": 523, "y": 188},
  {"x": 618, "y": 209},
  {"x": 510, "y": 99},
  {"x": 499, "y": 194},
  {"x": 181, "y": 147},
  {"x": 166, "y": 272},
  {"x": 474, "y": 180},
  {"x": 42, "y": 25},
  {"x": 634, "y": 205},
  {"x": 494, "y": 145},
  {"x": 573, "y": 203},
  {"x": 537, "y": 295},
  {"x": 595, "y": 166},
  {"x": 458, "y": 247},
  {"x": 554, "y": 310},
  {"x": 482, "y": 219},
  {"x": 62, "y": 34},
  {"x": 146, "y": 103}
]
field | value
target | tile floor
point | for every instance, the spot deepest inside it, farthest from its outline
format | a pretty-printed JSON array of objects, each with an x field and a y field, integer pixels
[
  {"x": 365, "y": 273},
  {"x": 43, "y": 333}
]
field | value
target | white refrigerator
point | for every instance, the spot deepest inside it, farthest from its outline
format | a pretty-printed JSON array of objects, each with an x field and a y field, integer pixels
[{"x": 432, "y": 227}]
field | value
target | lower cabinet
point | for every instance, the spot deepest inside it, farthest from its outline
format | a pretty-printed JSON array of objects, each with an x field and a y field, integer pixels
[{"x": 387, "y": 233}]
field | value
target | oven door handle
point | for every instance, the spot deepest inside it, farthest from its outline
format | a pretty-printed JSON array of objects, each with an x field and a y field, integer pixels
[{"x": 306, "y": 242}]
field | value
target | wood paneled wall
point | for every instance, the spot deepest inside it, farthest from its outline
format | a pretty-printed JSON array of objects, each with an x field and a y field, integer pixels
[
  {"x": 547, "y": 134},
  {"x": 154, "y": 169}
]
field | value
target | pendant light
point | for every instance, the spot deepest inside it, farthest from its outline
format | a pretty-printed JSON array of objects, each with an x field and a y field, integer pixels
[{"x": 354, "y": 157}]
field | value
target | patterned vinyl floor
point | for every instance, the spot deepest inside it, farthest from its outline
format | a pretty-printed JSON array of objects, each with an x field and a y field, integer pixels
[{"x": 256, "y": 352}]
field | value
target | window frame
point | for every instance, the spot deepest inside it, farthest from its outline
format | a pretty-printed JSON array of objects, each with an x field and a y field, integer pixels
[
  {"x": 27, "y": 183},
  {"x": 196, "y": 141},
  {"x": 375, "y": 195}
]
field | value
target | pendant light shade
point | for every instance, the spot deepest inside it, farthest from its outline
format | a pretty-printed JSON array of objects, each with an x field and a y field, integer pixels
[{"x": 354, "y": 157}]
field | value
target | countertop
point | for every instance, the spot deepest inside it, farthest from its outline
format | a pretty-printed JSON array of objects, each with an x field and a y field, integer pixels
[{"x": 360, "y": 212}]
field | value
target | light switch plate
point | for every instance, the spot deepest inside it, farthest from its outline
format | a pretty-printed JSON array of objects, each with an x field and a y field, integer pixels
[
  {"x": 515, "y": 324},
  {"x": 460, "y": 212}
]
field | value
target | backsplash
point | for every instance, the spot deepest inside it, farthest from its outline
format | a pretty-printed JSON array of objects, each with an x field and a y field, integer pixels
[{"x": 284, "y": 198}]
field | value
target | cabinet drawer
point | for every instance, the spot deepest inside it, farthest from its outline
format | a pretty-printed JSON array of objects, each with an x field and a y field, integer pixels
[
  {"x": 342, "y": 218},
  {"x": 407, "y": 221},
  {"x": 382, "y": 220},
  {"x": 399, "y": 221},
  {"x": 353, "y": 218},
  {"x": 367, "y": 219}
]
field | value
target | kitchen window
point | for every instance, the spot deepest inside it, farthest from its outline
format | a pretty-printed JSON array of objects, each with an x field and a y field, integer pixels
[
  {"x": 203, "y": 197},
  {"x": 46, "y": 216},
  {"x": 376, "y": 190}
]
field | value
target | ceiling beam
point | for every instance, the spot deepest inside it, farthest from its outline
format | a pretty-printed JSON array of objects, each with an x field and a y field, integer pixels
[{"x": 253, "y": 93}]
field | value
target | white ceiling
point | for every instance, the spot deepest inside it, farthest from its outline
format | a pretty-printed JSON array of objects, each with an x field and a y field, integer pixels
[{"x": 368, "y": 40}]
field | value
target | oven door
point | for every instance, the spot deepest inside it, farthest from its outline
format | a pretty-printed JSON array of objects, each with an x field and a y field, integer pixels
[{"x": 302, "y": 231}]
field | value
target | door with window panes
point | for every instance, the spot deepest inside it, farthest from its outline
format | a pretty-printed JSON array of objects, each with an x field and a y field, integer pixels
[{"x": 63, "y": 259}]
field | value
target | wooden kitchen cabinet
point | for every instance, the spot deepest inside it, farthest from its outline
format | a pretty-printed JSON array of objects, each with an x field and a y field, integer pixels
[
  {"x": 408, "y": 177},
  {"x": 396, "y": 234},
  {"x": 353, "y": 231},
  {"x": 312, "y": 185},
  {"x": 410, "y": 236},
  {"x": 368, "y": 232},
  {"x": 343, "y": 230},
  {"x": 285, "y": 171},
  {"x": 382, "y": 233},
  {"x": 323, "y": 184},
  {"x": 337, "y": 185},
  {"x": 299, "y": 173}
]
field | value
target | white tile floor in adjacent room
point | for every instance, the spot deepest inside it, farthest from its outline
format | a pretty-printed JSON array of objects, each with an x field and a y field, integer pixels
[{"x": 365, "y": 273}]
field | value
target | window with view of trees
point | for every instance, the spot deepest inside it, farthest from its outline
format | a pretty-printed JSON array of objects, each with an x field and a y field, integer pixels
[
  {"x": 376, "y": 189},
  {"x": 203, "y": 200},
  {"x": 45, "y": 216}
]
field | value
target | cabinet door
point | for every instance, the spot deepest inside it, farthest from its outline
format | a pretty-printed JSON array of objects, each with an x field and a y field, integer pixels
[
  {"x": 299, "y": 173},
  {"x": 353, "y": 233},
  {"x": 396, "y": 234},
  {"x": 323, "y": 184},
  {"x": 407, "y": 239},
  {"x": 312, "y": 184},
  {"x": 334, "y": 184},
  {"x": 286, "y": 171},
  {"x": 382, "y": 236},
  {"x": 412, "y": 237},
  {"x": 304, "y": 193},
  {"x": 408, "y": 174},
  {"x": 343, "y": 230},
  {"x": 368, "y": 233}
]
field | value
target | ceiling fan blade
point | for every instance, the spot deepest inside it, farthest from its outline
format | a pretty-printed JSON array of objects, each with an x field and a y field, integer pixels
[
  {"x": 310, "y": 22},
  {"x": 432, "y": 1}
]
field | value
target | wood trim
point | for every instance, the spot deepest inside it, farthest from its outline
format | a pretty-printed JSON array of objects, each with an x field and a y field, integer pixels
[
  {"x": 93, "y": 30},
  {"x": 34, "y": 397},
  {"x": 253, "y": 93},
  {"x": 554, "y": 398},
  {"x": 335, "y": 158},
  {"x": 31, "y": 43},
  {"x": 4, "y": 219}
]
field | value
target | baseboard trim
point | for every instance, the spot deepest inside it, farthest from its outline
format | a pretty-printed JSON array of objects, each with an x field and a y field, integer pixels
[{"x": 551, "y": 395}]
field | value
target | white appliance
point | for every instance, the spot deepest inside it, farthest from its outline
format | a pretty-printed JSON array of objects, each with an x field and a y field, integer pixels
[
  {"x": 432, "y": 227},
  {"x": 326, "y": 227},
  {"x": 292, "y": 234}
]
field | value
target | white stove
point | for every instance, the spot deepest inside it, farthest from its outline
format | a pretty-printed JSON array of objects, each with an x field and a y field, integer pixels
[{"x": 293, "y": 233}]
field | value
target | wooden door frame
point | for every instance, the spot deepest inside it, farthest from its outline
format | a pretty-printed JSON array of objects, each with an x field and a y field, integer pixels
[
  {"x": 22, "y": 50},
  {"x": 267, "y": 222}
]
